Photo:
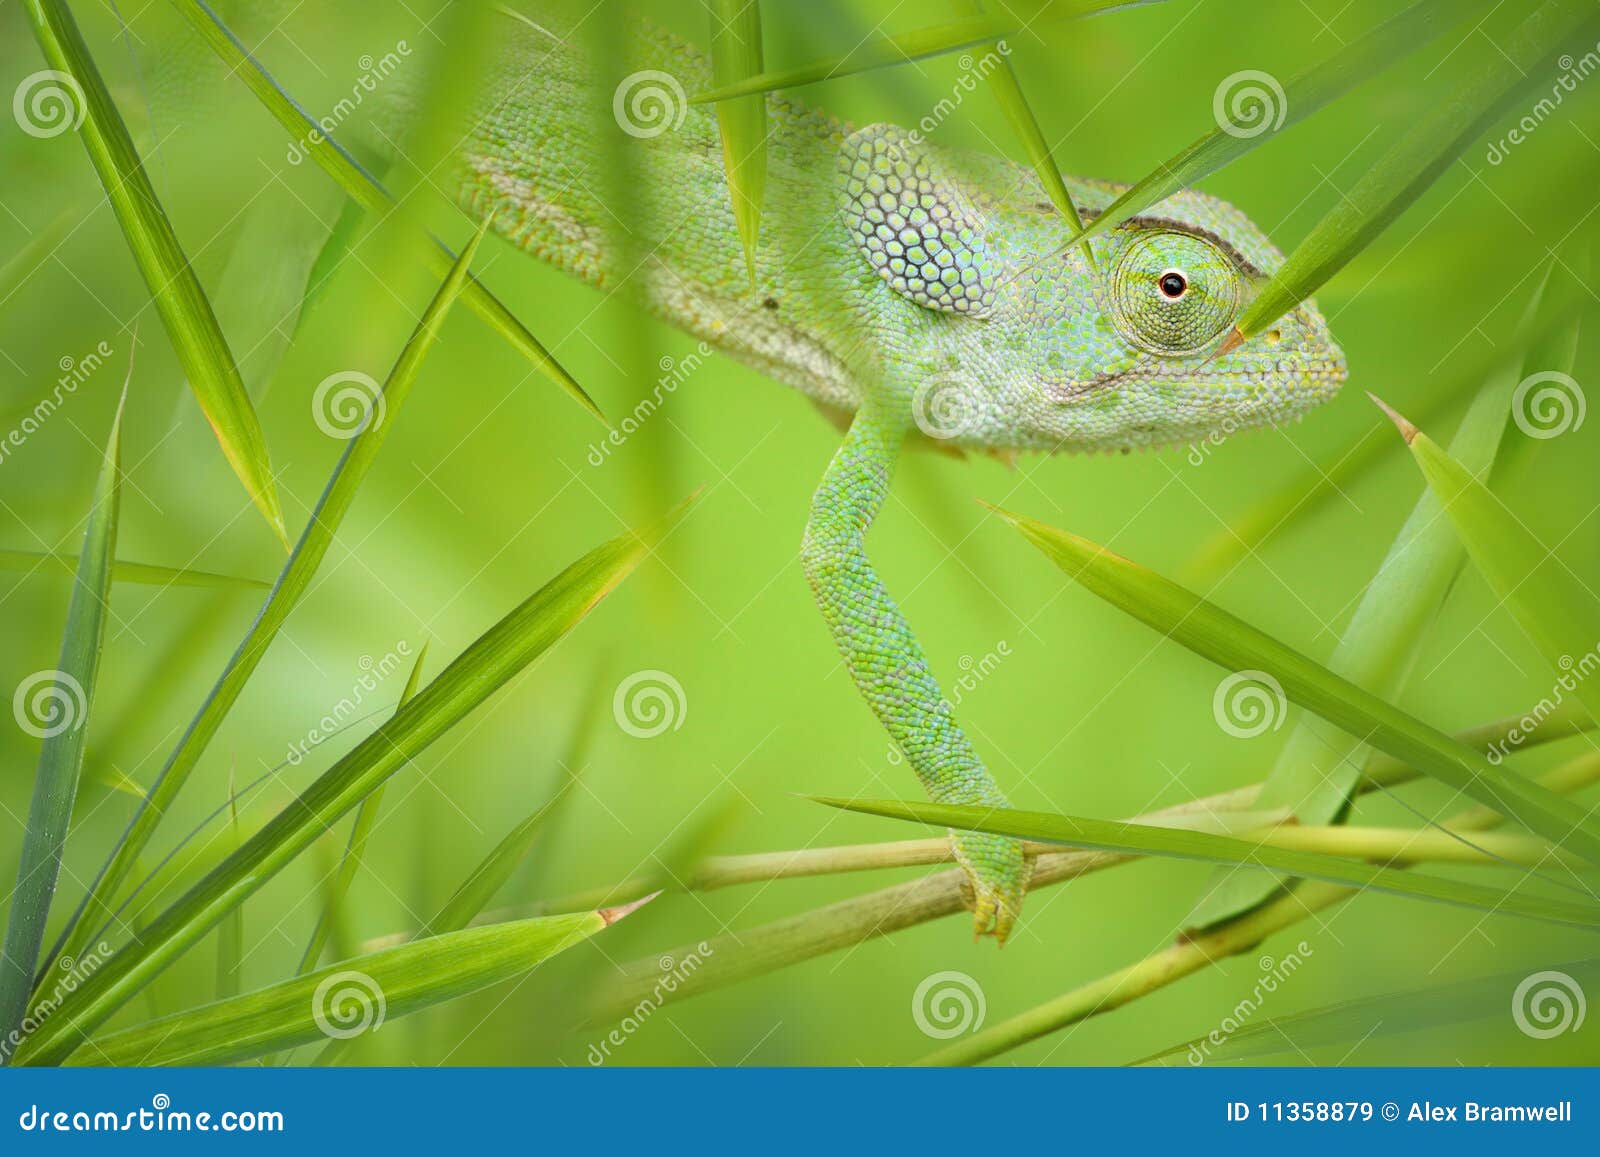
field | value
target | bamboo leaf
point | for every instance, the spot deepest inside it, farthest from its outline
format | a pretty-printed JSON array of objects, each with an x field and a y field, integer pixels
[
  {"x": 360, "y": 831},
  {"x": 491, "y": 661},
  {"x": 179, "y": 299},
  {"x": 883, "y": 51},
  {"x": 123, "y": 571},
  {"x": 55, "y": 706},
  {"x": 347, "y": 999},
  {"x": 736, "y": 56},
  {"x": 1140, "y": 839},
  {"x": 365, "y": 189},
  {"x": 1319, "y": 765},
  {"x": 1217, "y": 635},
  {"x": 1305, "y": 94},
  {"x": 293, "y": 581},
  {"x": 1557, "y": 609},
  {"x": 1419, "y": 158}
]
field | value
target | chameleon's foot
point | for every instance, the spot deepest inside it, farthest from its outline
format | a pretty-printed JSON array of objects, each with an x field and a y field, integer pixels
[{"x": 997, "y": 871}]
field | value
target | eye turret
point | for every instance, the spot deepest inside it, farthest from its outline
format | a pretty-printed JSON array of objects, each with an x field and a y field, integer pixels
[{"x": 1172, "y": 294}]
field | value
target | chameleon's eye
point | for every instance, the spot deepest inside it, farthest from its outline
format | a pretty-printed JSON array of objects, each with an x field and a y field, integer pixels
[{"x": 1173, "y": 293}]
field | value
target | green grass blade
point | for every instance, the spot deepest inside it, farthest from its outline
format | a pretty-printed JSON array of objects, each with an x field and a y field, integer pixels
[
  {"x": 54, "y": 705},
  {"x": 1353, "y": 1021},
  {"x": 736, "y": 56},
  {"x": 191, "y": 325},
  {"x": 230, "y": 932},
  {"x": 884, "y": 51},
  {"x": 491, "y": 661},
  {"x": 1140, "y": 839},
  {"x": 360, "y": 831},
  {"x": 1319, "y": 765},
  {"x": 1360, "y": 60},
  {"x": 1558, "y": 610},
  {"x": 122, "y": 571},
  {"x": 1420, "y": 157},
  {"x": 292, "y": 583},
  {"x": 347, "y": 999},
  {"x": 364, "y": 189},
  {"x": 1214, "y": 634}
]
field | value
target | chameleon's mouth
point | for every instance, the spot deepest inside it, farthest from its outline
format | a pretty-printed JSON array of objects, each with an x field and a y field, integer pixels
[{"x": 1318, "y": 378}]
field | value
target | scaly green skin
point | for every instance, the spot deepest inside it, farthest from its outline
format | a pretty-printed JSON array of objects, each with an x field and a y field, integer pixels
[{"x": 922, "y": 291}]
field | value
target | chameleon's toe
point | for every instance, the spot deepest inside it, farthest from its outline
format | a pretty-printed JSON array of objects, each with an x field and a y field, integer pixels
[{"x": 997, "y": 878}]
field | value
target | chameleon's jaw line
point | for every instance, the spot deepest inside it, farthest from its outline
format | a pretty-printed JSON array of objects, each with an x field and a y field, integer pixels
[{"x": 1313, "y": 375}]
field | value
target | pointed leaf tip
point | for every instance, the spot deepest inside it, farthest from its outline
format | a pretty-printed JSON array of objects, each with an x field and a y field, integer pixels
[
  {"x": 1407, "y": 430},
  {"x": 1233, "y": 341},
  {"x": 614, "y": 914}
]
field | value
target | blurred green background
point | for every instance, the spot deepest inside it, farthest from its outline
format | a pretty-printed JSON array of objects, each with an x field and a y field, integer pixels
[{"x": 487, "y": 488}]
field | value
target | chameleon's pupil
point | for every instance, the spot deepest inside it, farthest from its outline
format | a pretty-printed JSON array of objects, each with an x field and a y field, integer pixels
[{"x": 1172, "y": 284}]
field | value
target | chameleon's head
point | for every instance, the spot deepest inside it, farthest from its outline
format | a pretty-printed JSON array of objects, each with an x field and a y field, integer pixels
[
  {"x": 1017, "y": 344},
  {"x": 1128, "y": 353}
]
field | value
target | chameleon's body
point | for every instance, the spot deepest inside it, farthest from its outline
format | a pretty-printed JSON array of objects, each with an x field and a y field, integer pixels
[{"x": 908, "y": 288}]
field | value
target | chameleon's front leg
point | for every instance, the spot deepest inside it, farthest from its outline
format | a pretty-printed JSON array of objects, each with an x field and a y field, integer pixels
[{"x": 888, "y": 666}]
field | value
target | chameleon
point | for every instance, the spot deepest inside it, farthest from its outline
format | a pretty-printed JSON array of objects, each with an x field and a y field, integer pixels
[{"x": 915, "y": 293}]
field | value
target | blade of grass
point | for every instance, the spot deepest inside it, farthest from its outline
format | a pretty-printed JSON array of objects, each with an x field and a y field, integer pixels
[
  {"x": 490, "y": 662},
  {"x": 1319, "y": 765},
  {"x": 884, "y": 51},
  {"x": 62, "y": 702},
  {"x": 293, "y": 581},
  {"x": 1219, "y": 636},
  {"x": 191, "y": 325},
  {"x": 1360, "y": 60},
  {"x": 1357, "y": 1020},
  {"x": 736, "y": 56},
  {"x": 230, "y": 932},
  {"x": 1142, "y": 839},
  {"x": 123, "y": 571},
  {"x": 1556, "y": 608},
  {"x": 1419, "y": 158},
  {"x": 363, "y": 188},
  {"x": 739, "y": 955},
  {"x": 320, "y": 1004},
  {"x": 360, "y": 832}
]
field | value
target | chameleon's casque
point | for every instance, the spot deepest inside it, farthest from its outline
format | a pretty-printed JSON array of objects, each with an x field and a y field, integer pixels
[{"x": 905, "y": 287}]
